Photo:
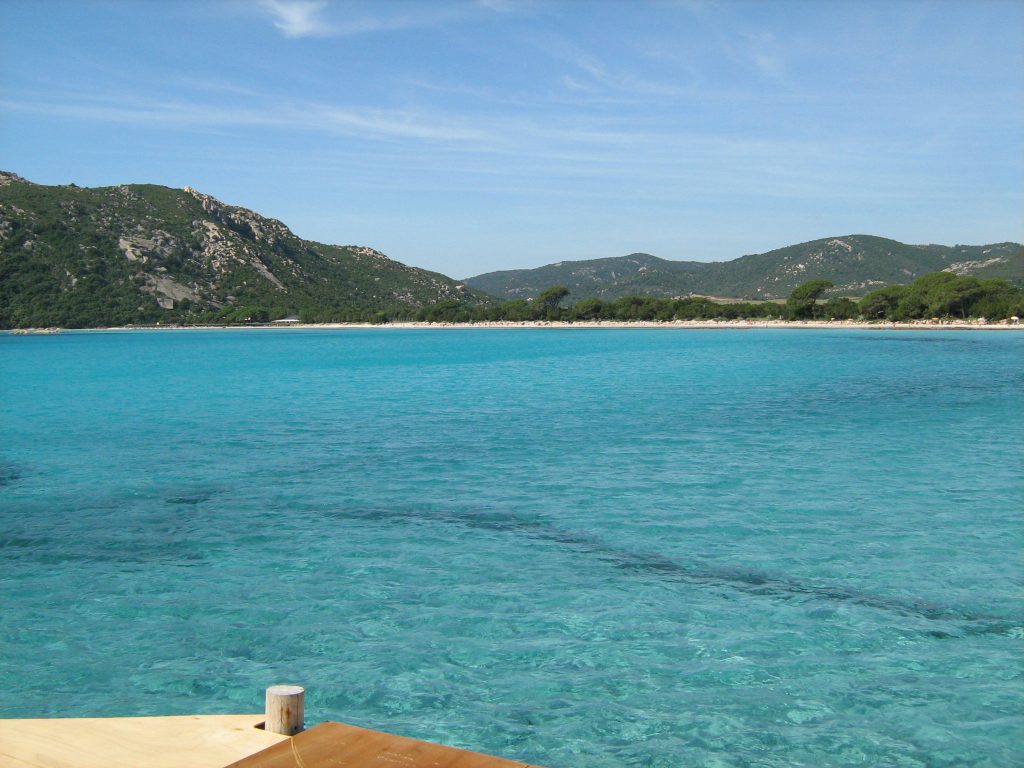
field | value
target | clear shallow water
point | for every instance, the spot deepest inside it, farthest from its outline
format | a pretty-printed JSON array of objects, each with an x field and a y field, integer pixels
[{"x": 599, "y": 548}]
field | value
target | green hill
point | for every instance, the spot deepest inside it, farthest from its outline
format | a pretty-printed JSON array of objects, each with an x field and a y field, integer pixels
[
  {"x": 134, "y": 254},
  {"x": 144, "y": 254},
  {"x": 855, "y": 263}
]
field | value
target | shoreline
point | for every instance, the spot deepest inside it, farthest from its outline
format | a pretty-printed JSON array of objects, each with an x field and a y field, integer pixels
[{"x": 558, "y": 325}]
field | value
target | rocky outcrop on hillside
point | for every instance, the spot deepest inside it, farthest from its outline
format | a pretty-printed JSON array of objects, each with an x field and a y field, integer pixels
[{"x": 143, "y": 254}]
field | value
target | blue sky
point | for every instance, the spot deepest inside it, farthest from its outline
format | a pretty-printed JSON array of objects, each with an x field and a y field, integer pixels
[{"x": 469, "y": 136}]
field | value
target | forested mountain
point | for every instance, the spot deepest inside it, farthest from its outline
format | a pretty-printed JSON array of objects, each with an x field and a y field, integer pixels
[
  {"x": 141, "y": 254},
  {"x": 78, "y": 257},
  {"x": 856, "y": 264}
]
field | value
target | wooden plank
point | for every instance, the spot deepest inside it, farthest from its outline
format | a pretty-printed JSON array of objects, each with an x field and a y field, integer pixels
[
  {"x": 186, "y": 741},
  {"x": 336, "y": 745}
]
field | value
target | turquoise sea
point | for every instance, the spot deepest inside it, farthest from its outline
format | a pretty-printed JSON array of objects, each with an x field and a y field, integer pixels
[{"x": 568, "y": 547}]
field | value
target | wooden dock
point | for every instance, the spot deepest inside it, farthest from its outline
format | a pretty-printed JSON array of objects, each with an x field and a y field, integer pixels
[
  {"x": 275, "y": 739},
  {"x": 217, "y": 741},
  {"x": 200, "y": 741},
  {"x": 336, "y": 745}
]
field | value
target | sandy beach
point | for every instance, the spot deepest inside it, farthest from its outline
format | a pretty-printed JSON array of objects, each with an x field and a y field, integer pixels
[
  {"x": 967, "y": 325},
  {"x": 709, "y": 324}
]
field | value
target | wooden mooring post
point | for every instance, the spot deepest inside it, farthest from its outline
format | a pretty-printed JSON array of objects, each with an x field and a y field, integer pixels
[{"x": 285, "y": 709}]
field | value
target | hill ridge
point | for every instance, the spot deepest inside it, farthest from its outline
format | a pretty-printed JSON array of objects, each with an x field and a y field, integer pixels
[
  {"x": 855, "y": 263},
  {"x": 143, "y": 253}
]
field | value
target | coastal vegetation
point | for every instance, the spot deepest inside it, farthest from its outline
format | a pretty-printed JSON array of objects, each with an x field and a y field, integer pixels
[
  {"x": 944, "y": 295},
  {"x": 75, "y": 257},
  {"x": 940, "y": 295}
]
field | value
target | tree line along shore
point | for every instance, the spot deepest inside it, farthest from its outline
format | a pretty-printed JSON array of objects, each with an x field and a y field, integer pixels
[{"x": 939, "y": 296}]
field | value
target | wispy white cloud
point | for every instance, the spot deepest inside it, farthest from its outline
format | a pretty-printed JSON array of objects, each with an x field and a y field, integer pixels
[
  {"x": 314, "y": 18},
  {"x": 594, "y": 78},
  {"x": 211, "y": 84},
  {"x": 370, "y": 124},
  {"x": 387, "y": 124},
  {"x": 166, "y": 114},
  {"x": 583, "y": 141},
  {"x": 755, "y": 49},
  {"x": 565, "y": 149},
  {"x": 598, "y": 136},
  {"x": 298, "y": 18}
]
